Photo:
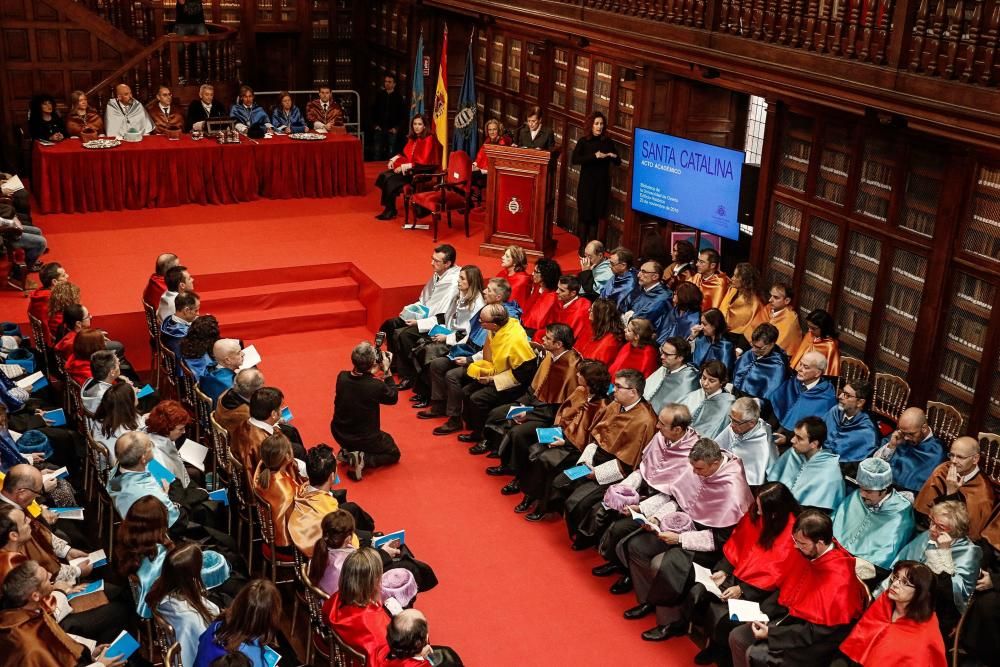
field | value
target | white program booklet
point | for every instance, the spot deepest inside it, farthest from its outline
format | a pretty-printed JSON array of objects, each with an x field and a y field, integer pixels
[
  {"x": 703, "y": 576},
  {"x": 251, "y": 358},
  {"x": 194, "y": 454},
  {"x": 746, "y": 611}
]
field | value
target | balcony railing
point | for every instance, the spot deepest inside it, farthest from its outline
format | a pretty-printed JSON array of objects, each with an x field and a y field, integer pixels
[{"x": 139, "y": 19}]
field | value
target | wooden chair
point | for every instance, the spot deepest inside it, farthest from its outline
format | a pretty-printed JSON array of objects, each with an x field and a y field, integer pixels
[
  {"x": 852, "y": 370},
  {"x": 240, "y": 501},
  {"x": 989, "y": 457},
  {"x": 889, "y": 396},
  {"x": 187, "y": 384},
  {"x": 343, "y": 655},
  {"x": 452, "y": 192},
  {"x": 146, "y": 641},
  {"x": 168, "y": 361},
  {"x": 945, "y": 421},
  {"x": 38, "y": 338},
  {"x": 313, "y": 598},
  {"x": 153, "y": 328},
  {"x": 173, "y": 656},
  {"x": 163, "y": 639},
  {"x": 217, "y": 439},
  {"x": 421, "y": 182},
  {"x": 956, "y": 634},
  {"x": 98, "y": 469},
  {"x": 271, "y": 558}
]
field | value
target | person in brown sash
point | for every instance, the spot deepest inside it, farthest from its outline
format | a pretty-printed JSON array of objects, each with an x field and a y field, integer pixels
[
  {"x": 82, "y": 117},
  {"x": 165, "y": 113},
  {"x": 958, "y": 479}
]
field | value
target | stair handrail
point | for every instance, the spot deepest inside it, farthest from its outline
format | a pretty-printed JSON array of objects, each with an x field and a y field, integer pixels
[{"x": 119, "y": 13}]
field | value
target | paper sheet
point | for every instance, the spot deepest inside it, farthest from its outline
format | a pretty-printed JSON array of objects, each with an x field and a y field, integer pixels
[
  {"x": 27, "y": 382},
  {"x": 251, "y": 358},
  {"x": 746, "y": 611},
  {"x": 703, "y": 576},
  {"x": 194, "y": 453}
]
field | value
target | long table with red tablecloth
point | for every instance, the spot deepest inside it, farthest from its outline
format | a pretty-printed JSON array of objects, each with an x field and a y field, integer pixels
[{"x": 161, "y": 172}]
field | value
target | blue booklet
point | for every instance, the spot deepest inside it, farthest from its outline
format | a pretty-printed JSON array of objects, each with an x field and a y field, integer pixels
[
  {"x": 144, "y": 392},
  {"x": 439, "y": 329},
  {"x": 28, "y": 363},
  {"x": 123, "y": 646},
  {"x": 576, "y": 472},
  {"x": 40, "y": 383},
  {"x": 55, "y": 417},
  {"x": 220, "y": 495},
  {"x": 158, "y": 471},
  {"x": 271, "y": 657},
  {"x": 286, "y": 414},
  {"x": 75, "y": 513},
  {"x": 549, "y": 435},
  {"x": 516, "y": 410},
  {"x": 92, "y": 587},
  {"x": 384, "y": 539}
]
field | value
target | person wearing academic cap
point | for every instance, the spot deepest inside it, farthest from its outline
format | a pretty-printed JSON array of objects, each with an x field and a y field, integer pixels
[
  {"x": 875, "y": 521},
  {"x": 850, "y": 432},
  {"x": 811, "y": 472}
]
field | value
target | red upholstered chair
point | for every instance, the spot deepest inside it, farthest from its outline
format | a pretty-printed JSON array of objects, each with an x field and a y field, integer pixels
[{"x": 453, "y": 191}]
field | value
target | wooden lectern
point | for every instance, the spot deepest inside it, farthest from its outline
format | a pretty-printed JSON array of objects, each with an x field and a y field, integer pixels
[{"x": 520, "y": 200}]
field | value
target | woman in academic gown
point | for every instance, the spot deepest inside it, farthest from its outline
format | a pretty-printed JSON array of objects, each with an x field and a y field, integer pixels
[
  {"x": 900, "y": 627},
  {"x": 542, "y": 304},
  {"x": 594, "y": 153},
  {"x": 82, "y": 116},
  {"x": 640, "y": 351},
  {"x": 355, "y": 611},
  {"x": 822, "y": 337},
  {"x": 513, "y": 269},
  {"x": 607, "y": 333},
  {"x": 710, "y": 403},
  {"x": 742, "y": 306},
  {"x": 277, "y": 481},
  {"x": 286, "y": 117},
  {"x": 684, "y": 316},
  {"x": 710, "y": 340},
  {"x": 495, "y": 135},
  {"x": 422, "y": 153}
]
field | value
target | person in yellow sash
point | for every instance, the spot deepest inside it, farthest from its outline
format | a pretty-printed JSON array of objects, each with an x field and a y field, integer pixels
[
  {"x": 712, "y": 282},
  {"x": 784, "y": 317},
  {"x": 742, "y": 306}
]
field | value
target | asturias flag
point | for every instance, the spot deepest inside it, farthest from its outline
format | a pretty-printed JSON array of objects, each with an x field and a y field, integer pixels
[
  {"x": 417, "y": 98},
  {"x": 466, "y": 134},
  {"x": 440, "y": 117}
]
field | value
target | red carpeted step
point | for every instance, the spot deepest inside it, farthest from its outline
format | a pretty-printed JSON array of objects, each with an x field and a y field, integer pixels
[
  {"x": 284, "y": 274},
  {"x": 286, "y": 319},
  {"x": 265, "y": 297}
]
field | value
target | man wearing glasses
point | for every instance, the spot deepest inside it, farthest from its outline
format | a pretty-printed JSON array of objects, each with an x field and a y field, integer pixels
[
  {"x": 912, "y": 450},
  {"x": 623, "y": 280},
  {"x": 764, "y": 368},
  {"x": 675, "y": 378},
  {"x": 850, "y": 432},
  {"x": 958, "y": 479},
  {"x": 651, "y": 301},
  {"x": 749, "y": 437}
]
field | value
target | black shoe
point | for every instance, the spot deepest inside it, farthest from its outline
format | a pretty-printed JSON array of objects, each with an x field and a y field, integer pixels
[
  {"x": 535, "y": 516},
  {"x": 663, "y": 632},
  {"x": 387, "y": 214},
  {"x": 706, "y": 656},
  {"x": 453, "y": 425},
  {"x": 419, "y": 404},
  {"x": 417, "y": 397},
  {"x": 622, "y": 585},
  {"x": 493, "y": 455},
  {"x": 639, "y": 611},
  {"x": 606, "y": 570},
  {"x": 404, "y": 384},
  {"x": 512, "y": 487},
  {"x": 499, "y": 471},
  {"x": 478, "y": 448},
  {"x": 433, "y": 413},
  {"x": 524, "y": 505},
  {"x": 381, "y": 216},
  {"x": 579, "y": 546},
  {"x": 470, "y": 437}
]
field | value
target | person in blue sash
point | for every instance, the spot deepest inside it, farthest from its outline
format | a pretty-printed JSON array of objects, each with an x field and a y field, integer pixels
[
  {"x": 685, "y": 314},
  {"x": 749, "y": 437},
  {"x": 286, "y": 117},
  {"x": 175, "y": 328},
  {"x": 809, "y": 471},
  {"x": 709, "y": 340},
  {"x": 875, "y": 521},
  {"x": 850, "y": 432},
  {"x": 806, "y": 394},
  {"x": 250, "y": 117},
  {"x": 623, "y": 282},
  {"x": 221, "y": 375},
  {"x": 912, "y": 450},
  {"x": 761, "y": 370},
  {"x": 131, "y": 480},
  {"x": 651, "y": 301}
]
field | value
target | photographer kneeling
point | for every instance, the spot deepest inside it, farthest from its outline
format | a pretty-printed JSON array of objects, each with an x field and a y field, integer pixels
[{"x": 356, "y": 425}]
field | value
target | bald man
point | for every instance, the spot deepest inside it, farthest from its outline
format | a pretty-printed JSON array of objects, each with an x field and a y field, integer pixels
[
  {"x": 806, "y": 394},
  {"x": 220, "y": 376},
  {"x": 125, "y": 113},
  {"x": 408, "y": 643},
  {"x": 157, "y": 284},
  {"x": 958, "y": 479},
  {"x": 912, "y": 450}
]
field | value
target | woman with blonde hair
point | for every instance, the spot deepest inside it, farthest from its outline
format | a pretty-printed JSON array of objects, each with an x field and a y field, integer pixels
[
  {"x": 494, "y": 134},
  {"x": 513, "y": 268},
  {"x": 82, "y": 117},
  {"x": 355, "y": 611},
  {"x": 276, "y": 481}
]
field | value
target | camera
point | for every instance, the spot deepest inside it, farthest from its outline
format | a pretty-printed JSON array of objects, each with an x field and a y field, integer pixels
[{"x": 379, "y": 340}]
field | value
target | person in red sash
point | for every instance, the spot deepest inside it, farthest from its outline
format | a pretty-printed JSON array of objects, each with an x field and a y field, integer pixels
[
  {"x": 513, "y": 267},
  {"x": 900, "y": 627},
  {"x": 641, "y": 351},
  {"x": 571, "y": 309},
  {"x": 422, "y": 153},
  {"x": 542, "y": 305},
  {"x": 355, "y": 611},
  {"x": 607, "y": 333},
  {"x": 818, "y": 600},
  {"x": 495, "y": 136}
]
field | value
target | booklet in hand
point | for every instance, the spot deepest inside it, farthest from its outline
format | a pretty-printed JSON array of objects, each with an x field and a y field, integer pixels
[
  {"x": 92, "y": 587},
  {"x": 516, "y": 410},
  {"x": 286, "y": 414},
  {"x": 61, "y": 473},
  {"x": 640, "y": 518},
  {"x": 144, "y": 392},
  {"x": 194, "y": 454},
  {"x": 75, "y": 513},
  {"x": 547, "y": 436},
  {"x": 576, "y": 472},
  {"x": 399, "y": 536},
  {"x": 55, "y": 417},
  {"x": 271, "y": 657},
  {"x": 703, "y": 576},
  {"x": 251, "y": 358},
  {"x": 159, "y": 472},
  {"x": 32, "y": 382},
  {"x": 123, "y": 646},
  {"x": 220, "y": 495},
  {"x": 746, "y": 611}
]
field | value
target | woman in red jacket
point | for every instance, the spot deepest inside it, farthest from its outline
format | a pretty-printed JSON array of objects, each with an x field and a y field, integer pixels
[
  {"x": 608, "y": 333},
  {"x": 422, "y": 153},
  {"x": 85, "y": 344},
  {"x": 640, "y": 352},
  {"x": 355, "y": 611},
  {"x": 513, "y": 268},
  {"x": 542, "y": 304}
]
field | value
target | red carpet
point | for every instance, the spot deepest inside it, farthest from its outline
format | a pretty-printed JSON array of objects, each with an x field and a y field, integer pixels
[{"x": 511, "y": 592}]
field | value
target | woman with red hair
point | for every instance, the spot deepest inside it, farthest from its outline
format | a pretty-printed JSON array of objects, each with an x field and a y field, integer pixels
[{"x": 166, "y": 425}]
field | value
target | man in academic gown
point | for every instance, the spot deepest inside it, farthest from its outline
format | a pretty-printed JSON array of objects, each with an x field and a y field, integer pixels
[
  {"x": 784, "y": 318},
  {"x": 651, "y": 301},
  {"x": 850, "y": 432},
  {"x": 913, "y": 450},
  {"x": 764, "y": 367},
  {"x": 554, "y": 381},
  {"x": 264, "y": 417},
  {"x": 818, "y": 601},
  {"x": 165, "y": 112},
  {"x": 157, "y": 283},
  {"x": 875, "y": 521},
  {"x": 131, "y": 480},
  {"x": 233, "y": 406},
  {"x": 623, "y": 282},
  {"x": 206, "y": 107},
  {"x": 712, "y": 282},
  {"x": 749, "y": 437},
  {"x": 806, "y": 394},
  {"x": 695, "y": 516},
  {"x": 616, "y": 442},
  {"x": 314, "y": 500},
  {"x": 323, "y": 113},
  {"x": 220, "y": 376},
  {"x": 958, "y": 479},
  {"x": 809, "y": 471},
  {"x": 175, "y": 327},
  {"x": 408, "y": 645},
  {"x": 250, "y": 117},
  {"x": 675, "y": 378},
  {"x": 572, "y": 309},
  {"x": 125, "y": 113}
]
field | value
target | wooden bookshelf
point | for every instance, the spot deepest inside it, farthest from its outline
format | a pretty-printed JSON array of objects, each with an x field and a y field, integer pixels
[
  {"x": 834, "y": 165},
  {"x": 795, "y": 153},
  {"x": 965, "y": 338},
  {"x": 857, "y": 298},
  {"x": 515, "y": 54},
  {"x": 601, "y": 99},
  {"x": 560, "y": 77},
  {"x": 580, "y": 87},
  {"x": 922, "y": 192},
  {"x": 878, "y": 166},
  {"x": 786, "y": 223},
  {"x": 981, "y": 237}
]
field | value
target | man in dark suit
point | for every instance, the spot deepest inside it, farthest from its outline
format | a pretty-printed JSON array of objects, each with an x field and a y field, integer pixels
[
  {"x": 206, "y": 107},
  {"x": 532, "y": 134}
]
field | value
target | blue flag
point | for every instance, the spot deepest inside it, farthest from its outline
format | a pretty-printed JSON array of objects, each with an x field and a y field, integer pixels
[
  {"x": 466, "y": 135},
  {"x": 417, "y": 97}
]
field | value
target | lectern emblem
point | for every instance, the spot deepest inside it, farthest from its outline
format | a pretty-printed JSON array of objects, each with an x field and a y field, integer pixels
[{"x": 514, "y": 206}]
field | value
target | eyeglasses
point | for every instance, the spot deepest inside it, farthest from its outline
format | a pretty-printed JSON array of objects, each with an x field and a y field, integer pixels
[
  {"x": 896, "y": 579},
  {"x": 741, "y": 422},
  {"x": 668, "y": 354},
  {"x": 622, "y": 387},
  {"x": 843, "y": 392},
  {"x": 648, "y": 273}
]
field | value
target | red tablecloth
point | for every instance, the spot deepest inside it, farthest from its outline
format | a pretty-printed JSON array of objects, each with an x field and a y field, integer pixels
[{"x": 158, "y": 172}]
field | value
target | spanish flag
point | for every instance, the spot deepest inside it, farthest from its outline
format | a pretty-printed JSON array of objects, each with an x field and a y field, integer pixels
[{"x": 440, "y": 115}]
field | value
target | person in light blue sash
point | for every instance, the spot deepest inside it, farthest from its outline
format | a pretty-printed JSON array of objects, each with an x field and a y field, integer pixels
[
  {"x": 761, "y": 370},
  {"x": 947, "y": 550},
  {"x": 675, "y": 378},
  {"x": 749, "y": 437},
  {"x": 912, "y": 450},
  {"x": 875, "y": 521},
  {"x": 807, "y": 394},
  {"x": 130, "y": 480},
  {"x": 710, "y": 403},
  {"x": 623, "y": 282},
  {"x": 810, "y": 472},
  {"x": 850, "y": 432},
  {"x": 710, "y": 341},
  {"x": 286, "y": 117}
]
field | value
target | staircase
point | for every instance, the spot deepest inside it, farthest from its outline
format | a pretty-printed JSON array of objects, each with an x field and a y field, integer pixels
[{"x": 254, "y": 304}]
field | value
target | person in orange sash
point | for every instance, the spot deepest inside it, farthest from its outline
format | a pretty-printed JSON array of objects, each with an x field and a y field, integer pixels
[
  {"x": 823, "y": 339},
  {"x": 712, "y": 282},
  {"x": 513, "y": 267},
  {"x": 82, "y": 116},
  {"x": 742, "y": 306},
  {"x": 959, "y": 478},
  {"x": 607, "y": 333},
  {"x": 277, "y": 481},
  {"x": 900, "y": 627},
  {"x": 422, "y": 153},
  {"x": 784, "y": 317},
  {"x": 164, "y": 112}
]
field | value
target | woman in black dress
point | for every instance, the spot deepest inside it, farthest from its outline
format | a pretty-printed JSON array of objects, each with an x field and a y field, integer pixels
[
  {"x": 595, "y": 154},
  {"x": 44, "y": 121}
]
